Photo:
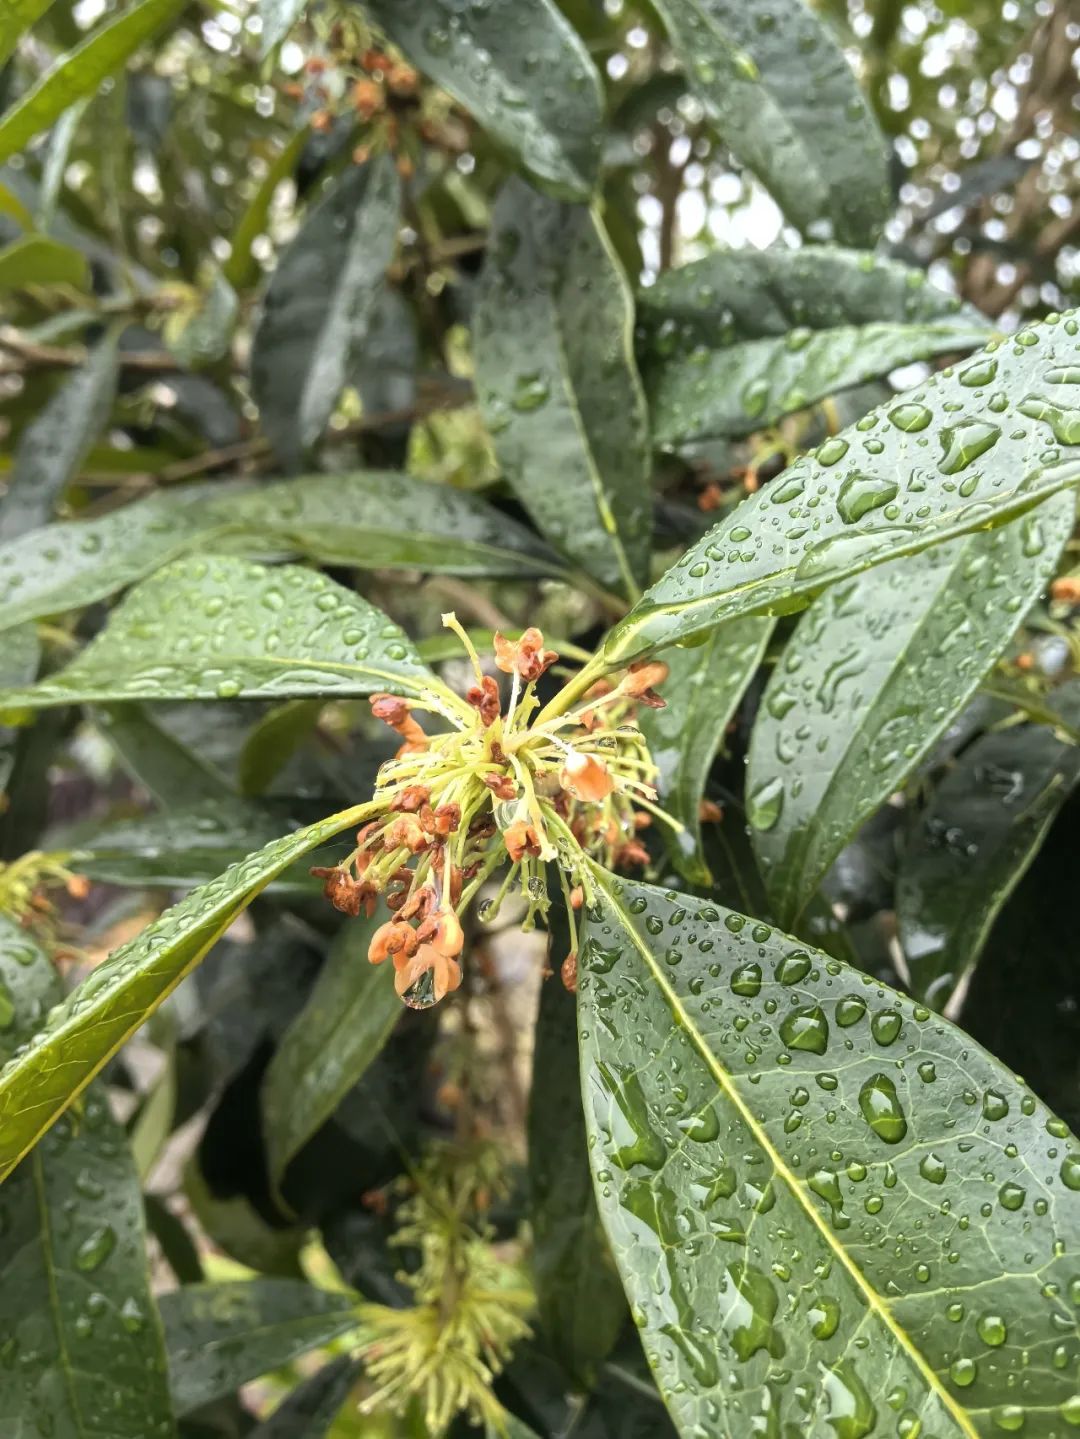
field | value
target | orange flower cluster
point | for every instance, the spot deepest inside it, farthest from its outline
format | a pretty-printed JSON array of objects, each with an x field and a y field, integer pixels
[{"x": 496, "y": 790}]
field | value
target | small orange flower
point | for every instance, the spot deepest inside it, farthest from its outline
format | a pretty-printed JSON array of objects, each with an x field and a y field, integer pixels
[
  {"x": 345, "y": 893},
  {"x": 446, "y": 972},
  {"x": 443, "y": 930},
  {"x": 521, "y": 839},
  {"x": 412, "y": 798},
  {"x": 485, "y": 698},
  {"x": 392, "y": 938},
  {"x": 525, "y": 657},
  {"x": 367, "y": 98},
  {"x": 709, "y": 812},
  {"x": 1066, "y": 588},
  {"x": 407, "y": 831},
  {"x": 710, "y": 498},
  {"x": 568, "y": 972},
  {"x": 640, "y": 680},
  {"x": 501, "y": 785},
  {"x": 402, "y": 80},
  {"x": 586, "y": 778}
]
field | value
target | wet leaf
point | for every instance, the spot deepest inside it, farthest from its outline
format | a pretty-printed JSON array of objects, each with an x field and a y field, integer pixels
[
  {"x": 813, "y": 142},
  {"x": 37, "y": 260},
  {"x": 579, "y": 1298},
  {"x": 731, "y": 343},
  {"x": 16, "y": 18},
  {"x": 532, "y": 86},
  {"x": 77, "y": 1319},
  {"x": 559, "y": 388},
  {"x": 221, "y": 1335},
  {"x": 755, "y": 1184},
  {"x": 224, "y": 628},
  {"x": 309, "y": 1411},
  {"x": 704, "y": 686},
  {"x": 20, "y": 655},
  {"x": 970, "y": 848},
  {"x": 154, "y": 758},
  {"x": 969, "y": 449},
  {"x": 343, "y": 1026},
  {"x": 81, "y": 71},
  {"x": 318, "y": 307},
  {"x": 272, "y": 743},
  {"x": 52, "y": 447},
  {"x": 876, "y": 671},
  {"x": 370, "y": 520},
  {"x": 82, "y": 1033},
  {"x": 205, "y": 334}
]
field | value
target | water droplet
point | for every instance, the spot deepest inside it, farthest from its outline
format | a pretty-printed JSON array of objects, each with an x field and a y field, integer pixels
[
  {"x": 994, "y": 1105},
  {"x": 765, "y": 805},
  {"x": 530, "y": 393},
  {"x": 962, "y": 444},
  {"x": 704, "y": 1127},
  {"x": 932, "y": 1168},
  {"x": 885, "y": 1026},
  {"x": 881, "y": 1109},
  {"x": 832, "y": 450},
  {"x": 824, "y": 1317},
  {"x": 859, "y": 494},
  {"x": 910, "y": 418},
  {"x": 1009, "y": 1417},
  {"x": 1070, "y": 1171},
  {"x": 963, "y": 1372},
  {"x": 851, "y": 1412},
  {"x": 1011, "y": 1196},
  {"x": 95, "y": 1248},
  {"x": 850, "y": 1010},
  {"x": 806, "y": 1029},
  {"x": 747, "y": 980},
  {"x": 793, "y": 968},
  {"x": 992, "y": 1330}
]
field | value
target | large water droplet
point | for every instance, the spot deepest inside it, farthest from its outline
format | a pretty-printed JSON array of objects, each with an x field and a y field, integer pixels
[
  {"x": 859, "y": 494},
  {"x": 765, "y": 805},
  {"x": 963, "y": 443},
  {"x": 882, "y": 1110}
]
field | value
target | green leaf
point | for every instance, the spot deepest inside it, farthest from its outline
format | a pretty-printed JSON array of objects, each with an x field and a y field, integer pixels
[
  {"x": 383, "y": 520},
  {"x": 221, "y": 1335},
  {"x": 558, "y": 387},
  {"x": 579, "y": 1297},
  {"x": 205, "y": 336},
  {"x": 531, "y": 85},
  {"x": 371, "y": 520},
  {"x": 81, "y": 71},
  {"x": 703, "y": 688},
  {"x": 969, "y": 449},
  {"x": 37, "y": 260},
  {"x": 52, "y": 447},
  {"x": 174, "y": 774},
  {"x": 319, "y": 304},
  {"x": 76, "y": 1313},
  {"x": 876, "y": 671},
  {"x": 13, "y": 207},
  {"x": 241, "y": 269},
  {"x": 311, "y": 1408},
  {"x": 970, "y": 848},
  {"x": 325, "y": 1051},
  {"x": 756, "y": 1175},
  {"x": 786, "y": 103},
  {"x": 110, "y": 1005},
  {"x": 731, "y": 343},
  {"x": 16, "y": 17},
  {"x": 20, "y": 655},
  {"x": 227, "y": 629},
  {"x": 278, "y": 17},
  {"x": 64, "y": 566},
  {"x": 272, "y": 743}
]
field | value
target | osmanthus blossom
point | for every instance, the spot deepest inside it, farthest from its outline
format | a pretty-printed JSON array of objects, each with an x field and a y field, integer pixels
[{"x": 498, "y": 788}]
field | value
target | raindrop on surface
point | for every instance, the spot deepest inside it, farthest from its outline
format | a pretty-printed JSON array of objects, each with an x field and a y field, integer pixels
[{"x": 882, "y": 1110}]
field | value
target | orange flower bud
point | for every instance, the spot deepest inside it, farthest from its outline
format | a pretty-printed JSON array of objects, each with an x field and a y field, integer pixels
[
  {"x": 586, "y": 778},
  {"x": 443, "y": 930},
  {"x": 391, "y": 709},
  {"x": 412, "y": 798},
  {"x": 577, "y": 897},
  {"x": 392, "y": 938},
  {"x": 1067, "y": 588},
  {"x": 643, "y": 676},
  {"x": 521, "y": 839},
  {"x": 568, "y": 972},
  {"x": 525, "y": 657},
  {"x": 485, "y": 698},
  {"x": 710, "y": 498},
  {"x": 407, "y": 830},
  {"x": 709, "y": 812},
  {"x": 367, "y": 98}
]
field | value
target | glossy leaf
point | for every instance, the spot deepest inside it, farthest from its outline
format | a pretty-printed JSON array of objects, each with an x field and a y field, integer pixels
[
  {"x": 348, "y": 1018},
  {"x": 37, "y": 260},
  {"x": 559, "y": 388},
  {"x": 173, "y": 773},
  {"x": 272, "y": 743},
  {"x": 310, "y": 1410},
  {"x": 971, "y": 847},
  {"x": 318, "y": 306},
  {"x": 205, "y": 335},
  {"x": 81, "y": 71},
  {"x": 703, "y": 688},
  {"x": 969, "y": 449},
  {"x": 64, "y": 566},
  {"x": 53, "y": 446},
  {"x": 76, "y": 1313},
  {"x": 81, "y": 1034},
  {"x": 241, "y": 269},
  {"x": 222, "y": 628},
  {"x": 876, "y": 671},
  {"x": 20, "y": 655},
  {"x": 532, "y": 86},
  {"x": 813, "y": 142},
  {"x": 221, "y": 1335},
  {"x": 833, "y": 1212},
  {"x": 16, "y": 18},
  {"x": 579, "y": 1298},
  {"x": 382, "y": 519},
  {"x": 731, "y": 343}
]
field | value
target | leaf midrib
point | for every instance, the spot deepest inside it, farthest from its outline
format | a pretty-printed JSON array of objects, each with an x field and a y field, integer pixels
[{"x": 874, "y": 1301}]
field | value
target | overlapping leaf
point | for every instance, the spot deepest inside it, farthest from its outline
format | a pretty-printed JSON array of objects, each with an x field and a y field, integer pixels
[
  {"x": 369, "y": 519},
  {"x": 37, "y": 260},
  {"x": 221, "y": 1335},
  {"x": 317, "y": 308},
  {"x": 348, "y": 1018},
  {"x": 878, "y": 668},
  {"x": 785, "y": 101},
  {"x": 734, "y": 341},
  {"x": 83, "y": 1032},
  {"x": 19, "y": 658},
  {"x": 833, "y": 1212},
  {"x": 532, "y": 86},
  {"x": 310, "y": 1410},
  {"x": 227, "y": 629},
  {"x": 77, "y": 1320},
  {"x": 704, "y": 685},
  {"x": 54, "y": 445},
  {"x": 81, "y": 71},
  {"x": 969, "y": 449},
  {"x": 16, "y": 18},
  {"x": 559, "y": 388},
  {"x": 971, "y": 847}
]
